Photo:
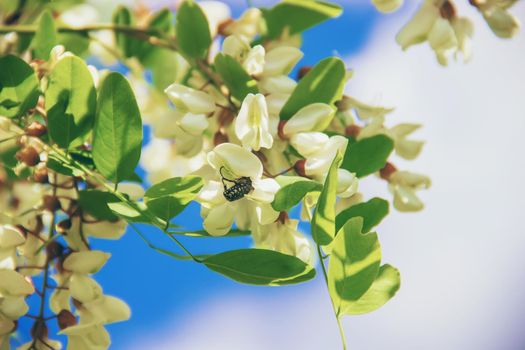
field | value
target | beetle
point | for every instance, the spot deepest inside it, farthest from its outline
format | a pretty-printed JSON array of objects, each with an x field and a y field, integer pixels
[{"x": 240, "y": 188}]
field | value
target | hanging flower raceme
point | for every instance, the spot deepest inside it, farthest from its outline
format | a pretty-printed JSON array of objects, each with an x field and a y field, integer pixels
[
  {"x": 445, "y": 32},
  {"x": 94, "y": 308},
  {"x": 251, "y": 204}
]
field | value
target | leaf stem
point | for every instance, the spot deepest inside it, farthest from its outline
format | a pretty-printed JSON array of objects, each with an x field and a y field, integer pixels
[{"x": 325, "y": 274}]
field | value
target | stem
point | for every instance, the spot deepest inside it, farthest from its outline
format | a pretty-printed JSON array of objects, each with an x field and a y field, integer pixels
[{"x": 325, "y": 274}]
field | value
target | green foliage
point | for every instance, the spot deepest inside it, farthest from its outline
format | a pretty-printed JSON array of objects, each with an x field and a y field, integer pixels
[
  {"x": 235, "y": 77},
  {"x": 76, "y": 43},
  {"x": 95, "y": 203},
  {"x": 193, "y": 32},
  {"x": 383, "y": 289},
  {"x": 168, "y": 198},
  {"x": 324, "y": 83},
  {"x": 203, "y": 233},
  {"x": 366, "y": 156},
  {"x": 292, "y": 191},
  {"x": 323, "y": 221},
  {"x": 127, "y": 45},
  {"x": 298, "y": 15},
  {"x": 18, "y": 87},
  {"x": 57, "y": 164},
  {"x": 372, "y": 213},
  {"x": 70, "y": 102},
  {"x": 354, "y": 263},
  {"x": 117, "y": 136},
  {"x": 260, "y": 267},
  {"x": 46, "y": 36}
]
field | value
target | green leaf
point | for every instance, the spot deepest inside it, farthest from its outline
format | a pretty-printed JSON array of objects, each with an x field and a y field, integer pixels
[
  {"x": 323, "y": 221},
  {"x": 46, "y": 36},
  {"x": 18, "y": 87},
  {"x": 77, "y": 43},
  {"x": 368, "y": 155},
  {"x": 383, "y": 289},
  {"x": 298, "y": 15},
  {"x": 354, "y": 263},
  {"x": 71, "y": 102},
  {"x": 127, "y": 45},
  {"x": 203, "y": 233},
  {"x": 235, "y": 77},
  {"x": 117, "y": 136},
  {"x": 324, "y": 83},
  {"x": 138, "y": 212},
  {"x": 163, "y": 22},
  {"x": 56, "y": 164},
  {"x": 168, "y": 198},
  {"x": 260, "y": 267},
  {"x": 292, "y": 191},
  {"x": 193, "y": 33},
  {"x": 96, "y": 203},
  {"x": 372, "y": 213}
]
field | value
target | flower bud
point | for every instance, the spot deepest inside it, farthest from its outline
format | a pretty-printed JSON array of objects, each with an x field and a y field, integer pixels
[
  {"x": 299, "y": 167},
  {"x": 281, "y": 60},
  {"x": 54, "y": 249},
  {"x": 51, "y": 203},
  {"x": 64, "y": 225},
  {"x": 313, "y": 117},
  {"x": 28, "y": 155},
  {"x": 501, "y": 22},
  {"x": 191, "y": 100},
  {"x": 194, "y": 124},
  {"x": 387, "y": 171},
  {"x": 447, "y": 10},
  {"x": 219, "y": 138},
  {"x": 254, "y": 61},
  {"x": 41, "y": 175},
  {"x": 303, "y": 71},
  {"x": 352, "y": 130},
  {"x": 66, "y": 319},
  {"x": 35, "y": 129}
]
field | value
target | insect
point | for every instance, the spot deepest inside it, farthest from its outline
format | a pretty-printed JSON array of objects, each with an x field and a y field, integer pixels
[{"x": 241, "y": 187}]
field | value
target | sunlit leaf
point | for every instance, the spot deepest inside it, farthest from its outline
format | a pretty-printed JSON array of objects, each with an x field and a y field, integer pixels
[
  {"x": 366, "y": 156},
  {"x": 298, "y": 15},
  {"x": 260, "y": 267},
  {"x": 117, "y": 137},
  {"x": 372, "y": 213},
  {"x": 18, "y": 86},
  {"x": 292, "y": 191},
  {"x": 193, "y": 33},
  {"x": 46, "y": 36},
  {"x": 383, "y": 289},
  {"x": 71, "y": 102},
  {"x": 323, "y": 221},
  {"x": 168, "y": 198},
  {"x": 354, "y": 263},
  {"x": 96, "y": 203},
  {"x": 324, "y": 83},
  {"x": 235, "y": 77}
]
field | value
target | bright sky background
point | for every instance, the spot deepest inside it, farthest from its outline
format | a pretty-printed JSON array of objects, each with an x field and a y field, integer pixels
[{"x": 461, "y": 260}]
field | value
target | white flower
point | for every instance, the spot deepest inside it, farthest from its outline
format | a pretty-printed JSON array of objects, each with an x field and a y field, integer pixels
[
  {"x": 280, "y": 84},
  {"x": 500, "y": 21},
  {"x": 347, "y": 183},
  {"x": 253, "y": 63},
  {"x": 216, "y": 12},
  {"x": 247, "y": 25},
  {"x": 14, "y": 288},
  {"x": 284, "y": 238},
  {"x": 445, "y": 32},
  {"x": 253, "y": 208},
  {"x": 10, "y": 238},
  {"x": 404, "y": 185},
  {"x": 235, "y": 46},
  {"x": 190, "y": 100},
  {"x": 313, "y": 117},
  {"x": 281, "y": 60},
  {"x": 408, "y": 149},
  {"x": 252, "y": 123}
]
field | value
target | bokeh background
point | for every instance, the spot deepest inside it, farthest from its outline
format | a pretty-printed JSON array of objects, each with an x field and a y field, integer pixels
[{"x": 462, "y": 259}]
